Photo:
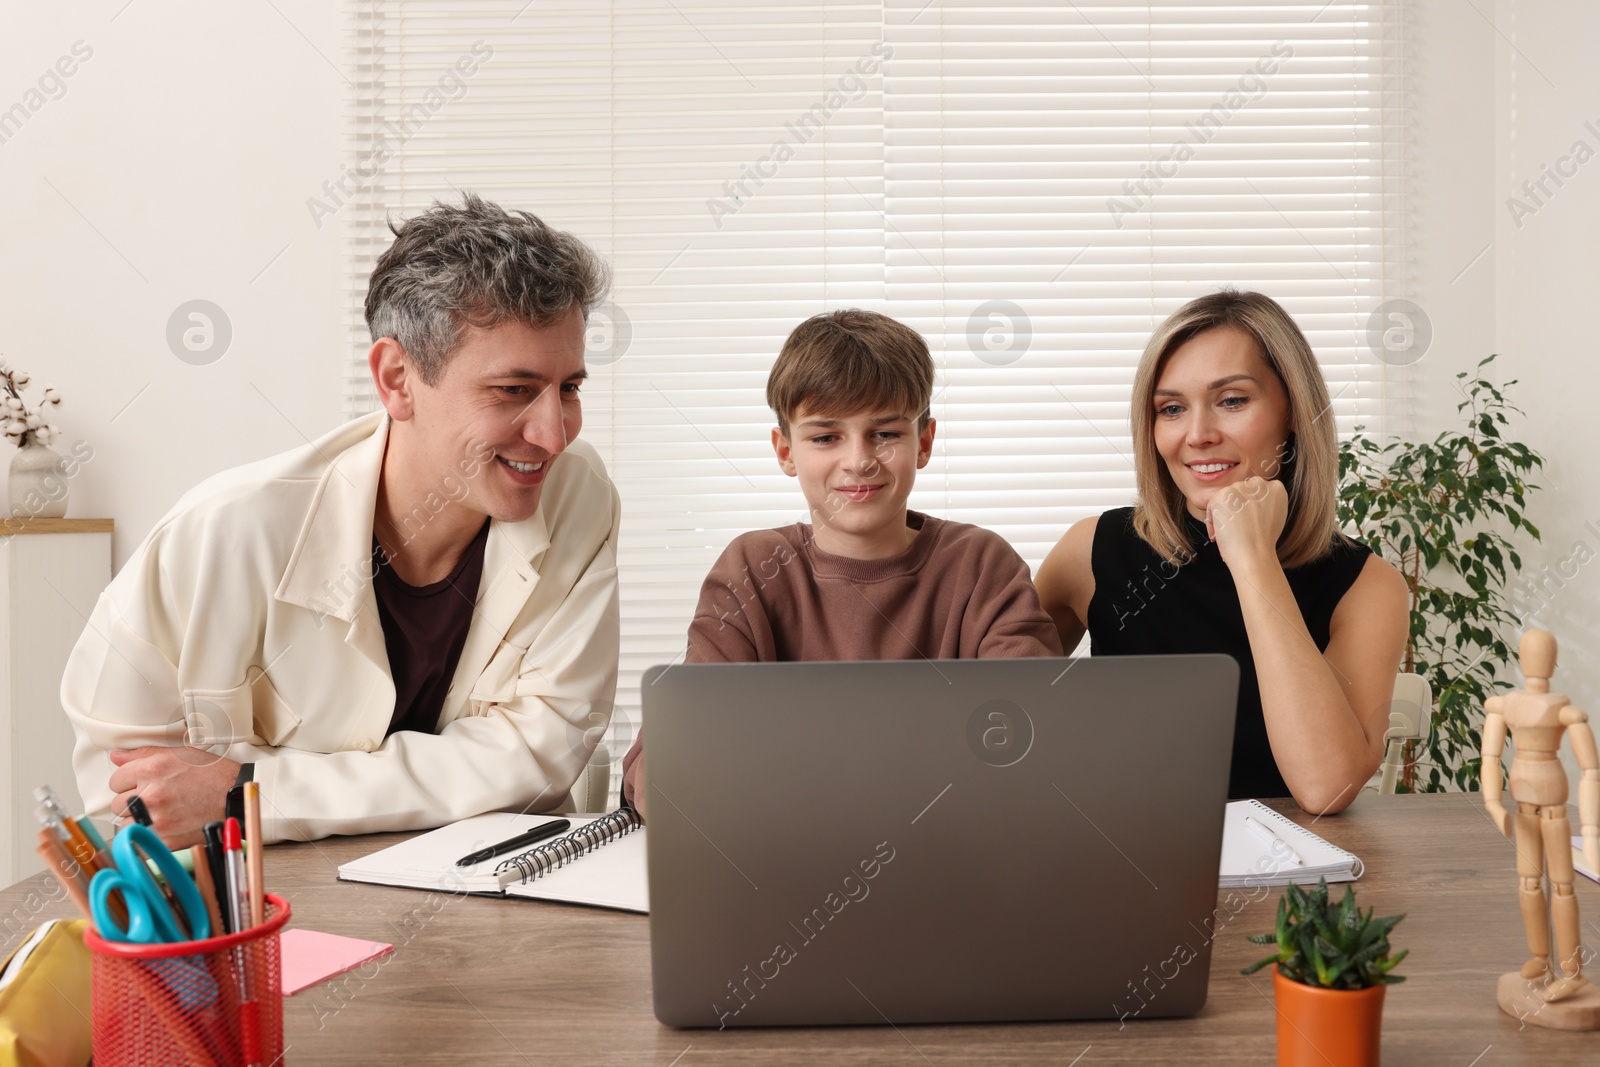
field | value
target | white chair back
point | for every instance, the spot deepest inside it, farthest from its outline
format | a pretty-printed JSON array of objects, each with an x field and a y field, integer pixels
[
  {"x": 589, "y": 793},
  {"x": 1410, "y": 710}
]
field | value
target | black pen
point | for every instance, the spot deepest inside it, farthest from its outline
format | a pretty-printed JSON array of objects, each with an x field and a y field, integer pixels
[
  {"x": 138, "y": 811},
  {"x": 538, "y": 833},
  {"x": 212, "y": 856}
]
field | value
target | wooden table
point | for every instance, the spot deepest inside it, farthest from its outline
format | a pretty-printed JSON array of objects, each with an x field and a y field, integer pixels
[{"x": 491, "y": 982}]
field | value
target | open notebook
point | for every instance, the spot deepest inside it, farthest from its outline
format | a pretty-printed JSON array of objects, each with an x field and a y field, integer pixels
[
  {"x": 1247, "y": 860},
  {"x": 600, "y": 861}
]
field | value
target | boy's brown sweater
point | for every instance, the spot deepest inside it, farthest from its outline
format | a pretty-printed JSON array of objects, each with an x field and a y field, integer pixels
[{"x": 959, "y": 592}]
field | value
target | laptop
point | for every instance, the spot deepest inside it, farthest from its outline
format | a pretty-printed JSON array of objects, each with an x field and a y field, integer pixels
[{"x": 935, "y": 841}]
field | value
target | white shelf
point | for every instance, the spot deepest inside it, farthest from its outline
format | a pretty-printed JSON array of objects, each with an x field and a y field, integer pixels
[{"x": 51, "y": 573}]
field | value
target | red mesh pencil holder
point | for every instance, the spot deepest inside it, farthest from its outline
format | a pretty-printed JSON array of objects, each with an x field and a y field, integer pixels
[{"x": 214, "y": 1003}]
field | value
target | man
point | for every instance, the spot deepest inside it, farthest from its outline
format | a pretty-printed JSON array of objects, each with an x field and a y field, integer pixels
[{"x": 407, "y": 622}]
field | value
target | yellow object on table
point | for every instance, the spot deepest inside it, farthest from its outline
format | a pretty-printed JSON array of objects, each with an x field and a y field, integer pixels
[{"x": 44, "y": 999}]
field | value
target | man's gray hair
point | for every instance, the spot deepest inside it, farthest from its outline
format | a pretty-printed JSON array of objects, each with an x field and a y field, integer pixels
[{"x": 476, "y": 265}]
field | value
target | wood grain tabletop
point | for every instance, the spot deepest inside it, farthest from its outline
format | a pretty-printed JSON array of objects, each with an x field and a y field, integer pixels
[{"x": 490, "y": 982}]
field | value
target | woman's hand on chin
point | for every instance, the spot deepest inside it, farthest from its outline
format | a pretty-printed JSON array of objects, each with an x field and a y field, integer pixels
[{"x": 1245, "y": 519}]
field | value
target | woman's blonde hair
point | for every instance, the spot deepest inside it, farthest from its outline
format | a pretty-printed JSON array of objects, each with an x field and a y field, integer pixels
[{"x": 1309, "y": 463}]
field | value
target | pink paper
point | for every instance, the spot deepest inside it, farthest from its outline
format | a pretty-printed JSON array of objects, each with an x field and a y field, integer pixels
[{"x": 310, "y": 957}]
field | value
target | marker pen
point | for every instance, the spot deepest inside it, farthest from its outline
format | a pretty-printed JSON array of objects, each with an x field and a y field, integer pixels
[{"x": 238, "y": 889}]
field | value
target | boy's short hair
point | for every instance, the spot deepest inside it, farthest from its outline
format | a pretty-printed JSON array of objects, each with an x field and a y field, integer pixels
[{"x": 848, "y": 361}]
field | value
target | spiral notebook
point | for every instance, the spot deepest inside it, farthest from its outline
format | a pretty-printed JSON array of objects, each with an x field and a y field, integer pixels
[
  {"x": 599, "y": 862},
  {"x": 1249, "y": 861}
]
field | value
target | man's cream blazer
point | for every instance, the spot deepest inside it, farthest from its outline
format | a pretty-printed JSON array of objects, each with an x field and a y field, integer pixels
[{"x": 245, "y": 624}]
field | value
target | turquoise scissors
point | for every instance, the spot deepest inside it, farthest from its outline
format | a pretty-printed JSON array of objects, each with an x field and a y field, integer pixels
[{"x": 150, "y": 918}]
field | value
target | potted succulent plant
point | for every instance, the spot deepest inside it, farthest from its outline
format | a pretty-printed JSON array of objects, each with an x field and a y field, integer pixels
[{"x": 1333, "y": 964}]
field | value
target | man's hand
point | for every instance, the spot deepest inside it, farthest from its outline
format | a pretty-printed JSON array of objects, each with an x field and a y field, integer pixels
[
  {"x": 184, "y": 788},
  {"x": 1246, "y": 519}
]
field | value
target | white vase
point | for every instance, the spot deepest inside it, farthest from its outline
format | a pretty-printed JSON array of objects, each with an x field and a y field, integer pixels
[{"x": 38, "y": 485}]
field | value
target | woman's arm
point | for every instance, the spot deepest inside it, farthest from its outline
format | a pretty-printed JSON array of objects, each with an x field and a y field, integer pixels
[
  {"x": 1326, "y": 713},
  {"x": 1066, "y": 582}
]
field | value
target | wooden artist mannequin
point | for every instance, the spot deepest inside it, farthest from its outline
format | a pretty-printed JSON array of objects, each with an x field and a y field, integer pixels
[{"x": 1545, "y": 995}]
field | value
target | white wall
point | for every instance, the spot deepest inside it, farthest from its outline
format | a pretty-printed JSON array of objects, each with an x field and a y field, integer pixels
[
  {"x": 176, "y": 166},
  {"x": 1547, "y": 284},
  {"x": 1495, "y": 103}
]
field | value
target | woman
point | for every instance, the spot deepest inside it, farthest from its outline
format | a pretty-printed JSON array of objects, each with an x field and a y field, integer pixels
[{"x": 1232, "y": 547}]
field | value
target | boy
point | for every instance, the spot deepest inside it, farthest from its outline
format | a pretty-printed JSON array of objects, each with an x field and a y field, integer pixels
[{"x": 866, "y": 579}]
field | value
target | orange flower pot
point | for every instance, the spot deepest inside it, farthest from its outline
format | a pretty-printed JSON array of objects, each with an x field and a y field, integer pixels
[{"x": 1327, "y": 1027}]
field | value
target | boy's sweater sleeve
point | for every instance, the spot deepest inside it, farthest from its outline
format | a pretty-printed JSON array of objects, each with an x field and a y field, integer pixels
[
  {"x": 726, "y": 629},
  {"x": 1014, "y": 623}
]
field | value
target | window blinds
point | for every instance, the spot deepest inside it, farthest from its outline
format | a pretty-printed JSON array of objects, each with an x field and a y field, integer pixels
[{"x": 1034, "y": 186}]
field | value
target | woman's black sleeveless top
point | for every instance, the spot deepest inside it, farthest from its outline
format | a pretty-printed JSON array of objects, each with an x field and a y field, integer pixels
[{"x": 1144, "y": 605}]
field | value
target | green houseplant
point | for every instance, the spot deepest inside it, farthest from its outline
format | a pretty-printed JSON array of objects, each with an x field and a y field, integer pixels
[
  {"x": 1333, "y": 963},
  {"x": 1445, "y": 513}
]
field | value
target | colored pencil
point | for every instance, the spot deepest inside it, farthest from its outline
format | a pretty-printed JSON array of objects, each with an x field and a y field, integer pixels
[
  {"x": 256, "y": 857},
  {"x": 64, "y": 868},
  {"x": 208, "y": 893}
]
